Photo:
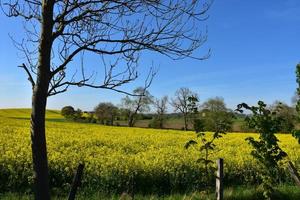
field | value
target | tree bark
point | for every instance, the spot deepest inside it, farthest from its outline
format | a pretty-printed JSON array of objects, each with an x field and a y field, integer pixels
[
  {"x": 131, "y": 120},
  {"x": 38, "y": 143},
  {"x": 39, "y": 102},
  {"x": 185, "y": 122},
  {"x": 161, "y": 122},
  {"x": 112, "y": 120}
]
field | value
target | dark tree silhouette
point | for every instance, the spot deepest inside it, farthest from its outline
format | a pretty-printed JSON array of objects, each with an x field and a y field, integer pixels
[
  {"x": 59, "y": 32},
  {"x": 68, "y": 112}
]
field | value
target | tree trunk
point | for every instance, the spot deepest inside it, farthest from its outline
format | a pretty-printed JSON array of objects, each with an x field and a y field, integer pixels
[
  {"x": 112, "y": 120},
  {"x": 131, "y": 121},
  {"x": 39, "y": 102},
  {"x": 161, "y": 122},
  {"x": 185, "y": 122},
  {"x": 38, "y": 144}
]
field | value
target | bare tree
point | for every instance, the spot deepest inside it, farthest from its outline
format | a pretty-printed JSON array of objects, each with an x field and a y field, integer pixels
[
  {"x": 181, "y": 103},
  {"x": 161, "y": 109},
  {"x": 137, "y": 104},
  {"x": 59, "y": 33}
]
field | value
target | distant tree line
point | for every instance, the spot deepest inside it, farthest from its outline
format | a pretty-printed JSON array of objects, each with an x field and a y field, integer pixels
[{"x": 159, "y": 112}]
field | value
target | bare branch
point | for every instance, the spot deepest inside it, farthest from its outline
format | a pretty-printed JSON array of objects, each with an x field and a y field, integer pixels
[
  {"x": 29, "y": 74},
  {"x": 118, "y": 30}
]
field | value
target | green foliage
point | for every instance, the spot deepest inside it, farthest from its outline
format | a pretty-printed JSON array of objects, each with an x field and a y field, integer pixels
[
  {"x": 90, "y": 118},
  {"x": 77, "y": 115},
  {"x": 204, "y": 144},
  {"x": 106, "y": 113},
  {"x": 214, "y": 113},
  {"x": 193, "y": 107},
  {"x": 266, "y": 148},
  {"x": 233, "y": 193},
  {"x": 206, "y": 147},
  {"x": 298, "y": 89},
  {"x": 286, "y": 114},
  {"x": 68, "y": 112},
  {"x": 296, "y": 133}
]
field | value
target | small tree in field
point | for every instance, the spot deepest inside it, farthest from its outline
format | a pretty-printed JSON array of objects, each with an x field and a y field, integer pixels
[
  {"x": 60, "y": 32},
  {"x": 204, "y": 143},
  {"x": 68, "y": 112},
  {"x": 266, "y": 149}
]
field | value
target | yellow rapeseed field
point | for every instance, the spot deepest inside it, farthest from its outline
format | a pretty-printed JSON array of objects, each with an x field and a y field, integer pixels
[{"x": 119, "y": 158}]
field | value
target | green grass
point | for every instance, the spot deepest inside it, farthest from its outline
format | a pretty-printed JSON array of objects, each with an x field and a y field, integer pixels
[
  {"x": 55, "y": 116},
  {"x": 284, "y": 192},
  {"x": 24, "y": 113}
]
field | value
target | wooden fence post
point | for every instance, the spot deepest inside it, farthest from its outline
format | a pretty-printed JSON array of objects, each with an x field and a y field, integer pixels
[
  {"x": 219, "y": 179},
  {"x": 294, "y": 173},
  {"x": 76, "y": 182}
]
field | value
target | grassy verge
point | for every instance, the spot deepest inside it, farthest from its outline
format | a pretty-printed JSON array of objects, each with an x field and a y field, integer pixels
[{"x": 285, "y": 192}]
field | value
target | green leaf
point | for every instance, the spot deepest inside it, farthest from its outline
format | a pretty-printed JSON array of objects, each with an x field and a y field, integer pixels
[
  {"x": 190, "y": 143},
  {"x": 296, "y": 134}
]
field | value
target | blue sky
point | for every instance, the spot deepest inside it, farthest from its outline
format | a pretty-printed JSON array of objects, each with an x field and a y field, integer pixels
[{"x": 255, "y": 48}]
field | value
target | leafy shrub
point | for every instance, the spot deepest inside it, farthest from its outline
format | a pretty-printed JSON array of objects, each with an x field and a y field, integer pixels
[
  {"x": 68, "y": 112},
  {"x": 266, "y": 148}
]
